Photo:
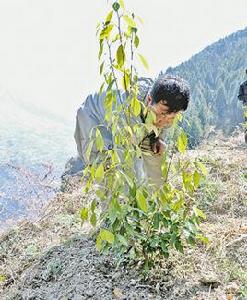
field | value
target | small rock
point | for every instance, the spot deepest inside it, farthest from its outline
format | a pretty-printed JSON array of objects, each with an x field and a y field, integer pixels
[
  {"x": 116, "y": 276},
  {"x": 118, "y": 293},
  {"x": 133, "y": 282},
  {"x": 210, "y": 279},
  {"x": 232, "y": 288},
  {"x": 89, "y": 293}
]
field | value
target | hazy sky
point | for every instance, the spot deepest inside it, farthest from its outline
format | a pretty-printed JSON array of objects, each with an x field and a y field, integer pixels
[{"x": 48, "y": 50}]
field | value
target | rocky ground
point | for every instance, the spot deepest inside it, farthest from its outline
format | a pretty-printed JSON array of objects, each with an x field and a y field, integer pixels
[{"x": 55, "y": 258}]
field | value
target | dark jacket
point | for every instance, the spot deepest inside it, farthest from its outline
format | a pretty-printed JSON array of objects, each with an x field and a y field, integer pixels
[{"x": 242, "y": 95}]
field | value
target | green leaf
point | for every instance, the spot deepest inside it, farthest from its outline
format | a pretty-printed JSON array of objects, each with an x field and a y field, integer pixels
[
  {"x": 151, "y": 117},
  {"x": 99, "y": 174},
  {"x": 107, "y": 236},
  {"x": 126, "y": 81},
  {"x": 120, "y": 55},
  {"x": 130, "y": 22},
  {"x": 127, "y": 178},
  {"x": 136, "y": 41},
  {"x": 101, "y": 67},
  {"x": 2, "y": 278},
  {"x": 101, "y": 47},
  {"x": 115, "y": 158},
  {"x": 187, "y": 180},
  {"x": 164, "y": 248},
  {"x": 93, "y": 205},
  {"x": 99, "y": 243},
  {"x": 143, "y": 61},
  {"x": 197, "y": 178},
  {"x": 121, "y": 2},
  {"x": 84, "y": 214},
  {"x": 117, "y": 37},
  {"x": 105, "y": 33},
  {"x": 135, "y": 106},
  {"x": 89, "y": 149},
  {"x": 99, "y": 140},
  {"x": 203, "y": 238},
  {"x": 140, "y": 20},
  {"x": 116, "y": 6},
  {"x": 201, "y": 167},
  {"x": 179, "y": 246},
  {"x": 199, "y": 213},
  {"x": 182, "y": 142},
  {"x": 101, "y": 88},
  {"x": 93, "y": 219},
  {"x": 141, "y": 201},
  {"x": 122, "y": 240},
  {"x": 177, "y": 205},
  {"x": 108, "y": 18}
]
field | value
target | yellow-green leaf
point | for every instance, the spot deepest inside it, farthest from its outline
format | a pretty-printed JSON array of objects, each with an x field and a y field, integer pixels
[
  {"x": 120, "y": 55},
  {"x": 115, "y": 158},
  {"x": 84, "y": 214},
  {"x": 99, "y": 243},
  {"x": 141, "y": 201},
  {"x": 107, "y": 236},
  {"x": 105, "y": 33},
  {"x": 202, "y": 167},
  {"x": 151, "y": 117},
  {"x": 182, "y": 142},
  {"x": 93, "y": 219},
  {"x": 136, "y": 41},
  {"x": 101, "y": 67},
  {"x": 177, "y": 205},
  {"x": 199, "y": 213},
  {"x": 126, "y": 81},
  {"x": 143, "y": 61},
  {"x": 89, "y": 149},
  {"x": 101, "y": 88},
  {"x": 130, "y": 22},
  {"x": 109, "y": 17},
  {"x": 99, "y": 174},
  {"x": 121, "y": 2},
  {"x": 197, "y": 178},
  {"x": 203, "y": 238},
  {"x": 101, "y": 47},
  {"x": 99, "y": 140},
  {"x": 135, "y": 106}
]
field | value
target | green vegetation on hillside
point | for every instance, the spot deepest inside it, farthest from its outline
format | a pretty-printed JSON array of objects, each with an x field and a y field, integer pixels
[{"x": 214, "y": 75}]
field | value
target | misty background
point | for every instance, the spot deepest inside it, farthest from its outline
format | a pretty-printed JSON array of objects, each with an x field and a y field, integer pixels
[{"x": 48, "y": 65}]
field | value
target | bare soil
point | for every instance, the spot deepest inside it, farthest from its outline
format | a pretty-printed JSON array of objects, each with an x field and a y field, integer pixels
[{"x": 55, "y": 257}]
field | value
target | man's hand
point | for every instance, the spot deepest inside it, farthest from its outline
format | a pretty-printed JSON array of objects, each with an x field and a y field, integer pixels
[{"x": 159, "y": 147}]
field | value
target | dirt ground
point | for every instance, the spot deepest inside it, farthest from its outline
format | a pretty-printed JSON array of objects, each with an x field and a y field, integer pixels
[{"x": 55, "y": 258}]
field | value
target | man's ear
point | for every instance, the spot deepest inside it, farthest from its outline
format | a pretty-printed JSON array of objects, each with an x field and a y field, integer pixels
[{"x": 149, "y": 100}]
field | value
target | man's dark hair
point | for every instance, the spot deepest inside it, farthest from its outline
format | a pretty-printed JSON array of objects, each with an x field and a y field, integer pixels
[{"x": 172, "y": 89}]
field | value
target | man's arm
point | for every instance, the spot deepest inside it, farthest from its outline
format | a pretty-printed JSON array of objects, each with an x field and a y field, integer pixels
[{"x": 242, "y": 95}]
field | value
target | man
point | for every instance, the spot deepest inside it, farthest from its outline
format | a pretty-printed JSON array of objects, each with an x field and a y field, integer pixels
[
  {"x": 166, "y": 96},
  {"x": 242, "y": 96}
]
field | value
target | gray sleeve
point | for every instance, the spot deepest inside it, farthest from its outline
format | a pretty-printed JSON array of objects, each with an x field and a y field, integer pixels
[{"x": 87, "y": 121}]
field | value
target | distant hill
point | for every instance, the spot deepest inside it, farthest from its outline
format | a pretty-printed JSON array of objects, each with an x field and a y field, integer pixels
[
  {"x": 32, "y": 143},
  {"x": 215, "y": 74}
]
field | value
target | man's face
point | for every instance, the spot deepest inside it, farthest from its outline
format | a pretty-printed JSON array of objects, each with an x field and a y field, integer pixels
[{"x": 163, "y": 118}]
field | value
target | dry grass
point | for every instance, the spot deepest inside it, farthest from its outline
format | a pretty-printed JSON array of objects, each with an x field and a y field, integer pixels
[{"x": 214, "y": 271}]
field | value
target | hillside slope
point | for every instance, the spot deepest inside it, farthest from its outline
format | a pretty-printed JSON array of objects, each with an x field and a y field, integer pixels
[
  {"x": 214, "y": 75},
  {"x": 54, "y": 258}
]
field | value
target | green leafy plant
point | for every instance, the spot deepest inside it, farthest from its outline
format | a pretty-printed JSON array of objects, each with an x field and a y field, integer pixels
[{"x": 140, "y": 221}]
